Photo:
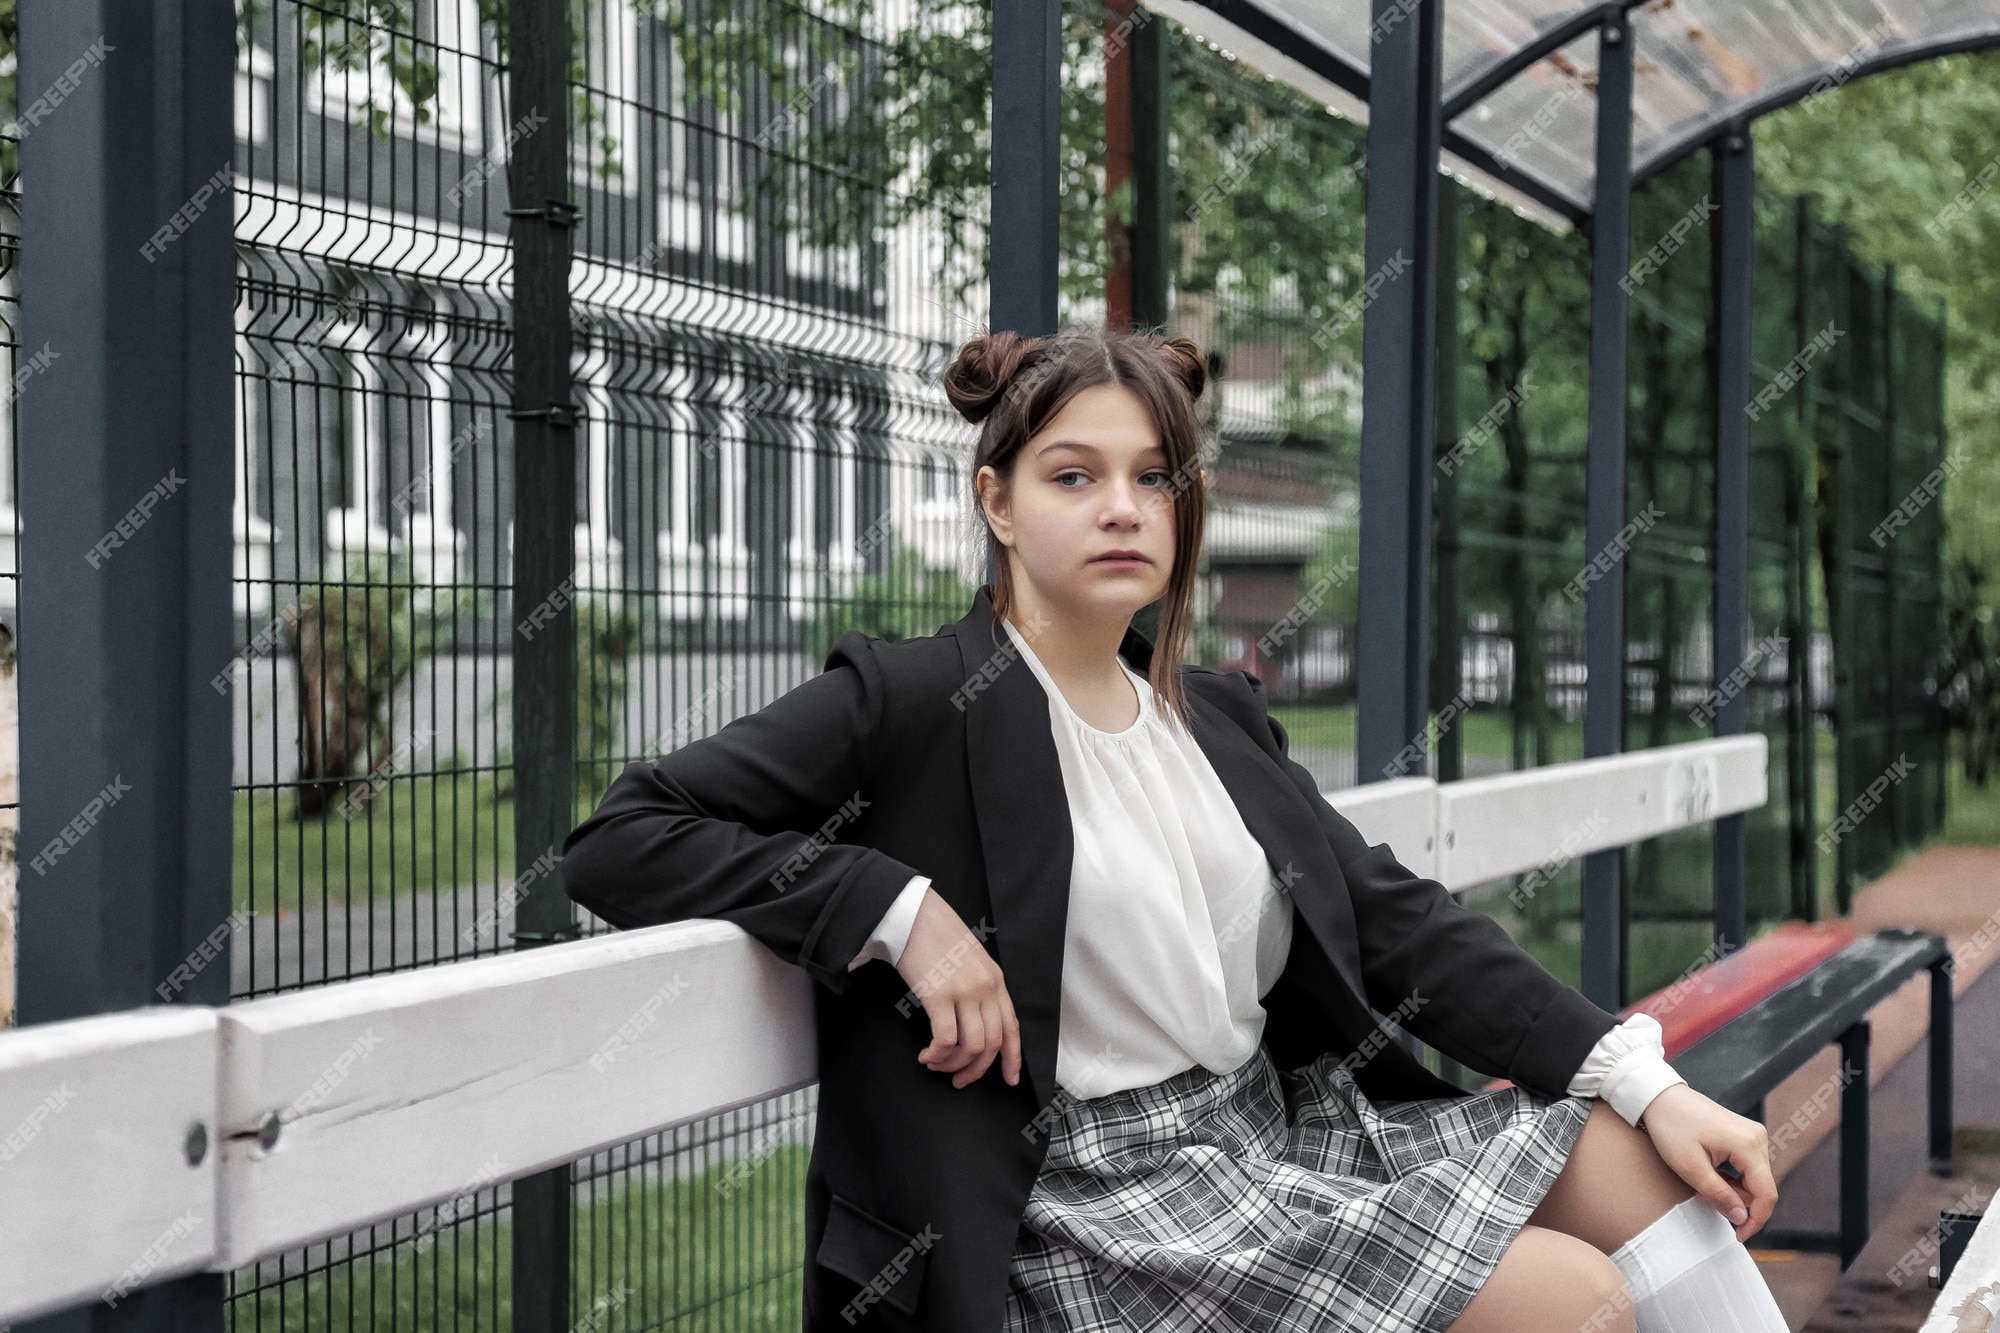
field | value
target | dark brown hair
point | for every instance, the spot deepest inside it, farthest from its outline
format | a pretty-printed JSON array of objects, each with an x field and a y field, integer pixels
[{"x": 1013, "y": 385}]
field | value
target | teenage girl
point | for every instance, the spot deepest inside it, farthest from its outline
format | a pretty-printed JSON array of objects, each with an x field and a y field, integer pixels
[{"x": 1038, "y": 840}]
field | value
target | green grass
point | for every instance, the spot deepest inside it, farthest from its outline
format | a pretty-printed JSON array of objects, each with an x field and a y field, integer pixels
[
  {"x": 418, "y": 833},
  {"x": 710, "y": 1251},
  {"x": 1971, "y": 813},
  {"x": 1486, "y": 732}
]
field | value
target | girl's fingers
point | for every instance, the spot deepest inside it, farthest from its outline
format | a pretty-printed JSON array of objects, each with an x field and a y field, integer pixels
[
  {"x": 989, "y": 1018},
  {"x": 1010, "y": 1039},
  {"x": 963, "y": 1052},
  {"x": 971, "y": 1026},
  {"x": 1759, "y": 1185},
  {"x": 944, "y": 1028},
  {"x": 968, "y": 1035}
]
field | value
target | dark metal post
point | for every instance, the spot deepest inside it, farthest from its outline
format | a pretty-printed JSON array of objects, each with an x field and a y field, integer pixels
[
  {"x": 1448, "y": 634},
  {"x": 1027, "y": 71},
  {"x": 126, "y": 478},
  {"x": 1853, "y": 1142},
  {"x": 1901, "y": 831},
  {"x": 544, "y": 639},
  {"x": 1801, "y": 504},
  {"x": 1152, "y": 178},
  {"x": 1941, "y": 1060},
  {"x": 1027, "y": 87},
  {"x": 1839, "y": 446},
  {"x": 1733, "y": 252},
  {"x": 1938, "y": 414},
  {"x": 1399, "y": 377},
  {"x": 1604, "y": 615}
]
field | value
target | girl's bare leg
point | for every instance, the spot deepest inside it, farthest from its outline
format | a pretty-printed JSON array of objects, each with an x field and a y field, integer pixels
[
  {"x": 1613, "y": 1186},
  {"x": 1549, "y": 1282}
]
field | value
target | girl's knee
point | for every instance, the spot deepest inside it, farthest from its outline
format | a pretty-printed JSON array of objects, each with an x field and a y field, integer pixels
[
  {"x": 1549, "y": 1280},
  {"x": 1598, "y": 1299}
]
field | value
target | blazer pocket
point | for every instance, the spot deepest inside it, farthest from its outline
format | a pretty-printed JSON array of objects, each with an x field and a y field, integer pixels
[{"x": 869, "y": 1252}]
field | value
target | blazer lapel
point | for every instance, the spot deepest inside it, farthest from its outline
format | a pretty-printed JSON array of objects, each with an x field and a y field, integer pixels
[{"x": 1022, "y": 812}]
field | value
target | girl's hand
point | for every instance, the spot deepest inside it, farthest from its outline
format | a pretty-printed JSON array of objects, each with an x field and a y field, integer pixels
[
  {"x": 972, "y": 1018},
  {"x": 1694, "y": 1135}
]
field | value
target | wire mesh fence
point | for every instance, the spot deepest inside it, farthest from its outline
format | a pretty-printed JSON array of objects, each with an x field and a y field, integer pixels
[
  {"x": 780, "y": 242},
  {"x": 1876, "y": 425}
]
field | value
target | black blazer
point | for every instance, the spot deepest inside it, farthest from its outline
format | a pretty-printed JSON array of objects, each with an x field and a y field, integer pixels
[{"x": 935, "y": 756}]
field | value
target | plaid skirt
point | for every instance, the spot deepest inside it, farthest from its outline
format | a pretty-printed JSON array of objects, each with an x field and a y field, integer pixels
[{"x": 1274, "y": 1200}]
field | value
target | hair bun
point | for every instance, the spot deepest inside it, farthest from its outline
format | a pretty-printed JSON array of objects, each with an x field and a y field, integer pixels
[
  {"x": 984, "y": 369},
  {"x": 1184, "y": 358}
]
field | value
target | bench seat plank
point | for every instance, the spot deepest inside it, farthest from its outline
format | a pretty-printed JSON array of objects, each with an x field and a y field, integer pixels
[{"x": 1742, "y": 1062}]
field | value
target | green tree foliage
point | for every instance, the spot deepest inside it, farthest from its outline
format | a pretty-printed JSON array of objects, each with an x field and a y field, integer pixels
[
  {"x": 363, "y": 37},
  {"x": 1524, "y": 302},
  {"x": 1267, "y": 189},
  {"x": 1887, "y": 154},
  {"x": 356, "y": 638},
  {"x": 1906, "y": 159}
]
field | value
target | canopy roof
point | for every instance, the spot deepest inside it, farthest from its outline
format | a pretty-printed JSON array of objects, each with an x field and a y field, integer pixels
[{"x": 1519, "y": 74}]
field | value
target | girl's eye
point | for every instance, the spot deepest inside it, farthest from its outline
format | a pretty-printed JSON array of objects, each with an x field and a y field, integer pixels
[{"x": 1165, "y": 476}]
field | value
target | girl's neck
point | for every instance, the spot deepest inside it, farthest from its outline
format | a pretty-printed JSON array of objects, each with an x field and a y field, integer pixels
[{"x": 1072, "y": 648}]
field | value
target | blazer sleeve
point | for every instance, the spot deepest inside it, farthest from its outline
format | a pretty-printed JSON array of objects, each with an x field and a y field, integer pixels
[
  {"x": 744, "y": 826},
  {"x": 1449, "y": 973}
]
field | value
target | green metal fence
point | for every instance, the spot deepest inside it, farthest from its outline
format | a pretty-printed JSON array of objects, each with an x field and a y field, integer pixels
[{"x": 1878, "y": 433}]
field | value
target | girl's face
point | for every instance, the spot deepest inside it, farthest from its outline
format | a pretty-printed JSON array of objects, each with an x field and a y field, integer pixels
[{"x": 1093, "y": 480}]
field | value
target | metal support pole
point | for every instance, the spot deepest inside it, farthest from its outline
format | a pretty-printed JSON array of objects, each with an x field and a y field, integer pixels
[
  {"x": 1399, "y": 386},
  {"x": 1027, "y": 72},
  {"x": 1941, "y": 1061},
  {"x": 1735, "y": 181},
  {"x": 1027, "y": 99},
  {"x": 1152, "y": 176},
  {"x": 1448, "y": 632},
  {"x": 1853, "y": 1142},
  {"x": 1448, "y": 617},
  {"x": 544, "y": 640},
  {"x": 1901, "y": 830},
  {"x": 1801, "y": 507},
  {"x": 1604, "y": 614},
  {"x": 1840, "y": 448},
  {"x": 126, "y": 480}
]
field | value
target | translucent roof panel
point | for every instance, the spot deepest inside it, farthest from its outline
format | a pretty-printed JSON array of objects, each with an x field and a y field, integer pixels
[{"x": 1699, "y": 63}]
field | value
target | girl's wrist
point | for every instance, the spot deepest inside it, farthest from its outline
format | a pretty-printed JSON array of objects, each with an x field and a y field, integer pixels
[{"x": 1640, "y": 1123}]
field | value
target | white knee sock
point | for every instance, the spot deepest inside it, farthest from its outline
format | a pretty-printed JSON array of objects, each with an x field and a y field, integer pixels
[{"x": 1689, "y": 1274}]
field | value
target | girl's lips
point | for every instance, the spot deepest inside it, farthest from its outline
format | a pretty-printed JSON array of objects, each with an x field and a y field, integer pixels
[{"x": 1122, "y": 562}]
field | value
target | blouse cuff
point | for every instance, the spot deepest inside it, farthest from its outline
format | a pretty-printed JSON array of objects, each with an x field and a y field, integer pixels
[
  {"x": 1627, "y": 1068},
  {"x": 892, "y": 932}
]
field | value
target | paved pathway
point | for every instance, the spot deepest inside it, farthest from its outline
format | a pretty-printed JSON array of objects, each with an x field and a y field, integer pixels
[{"x": 1955, "y": 890}]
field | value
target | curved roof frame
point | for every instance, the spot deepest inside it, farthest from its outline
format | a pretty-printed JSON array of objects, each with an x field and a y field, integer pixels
[
  {"x": 1800, "y": 89},
  {"x": 1298, "y": 52}
]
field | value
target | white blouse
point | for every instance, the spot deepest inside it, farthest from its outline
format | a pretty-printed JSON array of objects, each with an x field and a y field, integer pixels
[{"x": 1176, "y": 927}]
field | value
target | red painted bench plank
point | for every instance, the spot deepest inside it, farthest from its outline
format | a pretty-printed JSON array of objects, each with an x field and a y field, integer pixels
[{"x": 1694, "y": 1006}]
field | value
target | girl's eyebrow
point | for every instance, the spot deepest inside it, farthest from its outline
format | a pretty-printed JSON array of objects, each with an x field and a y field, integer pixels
[{"x": 1078, "y": 446}]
